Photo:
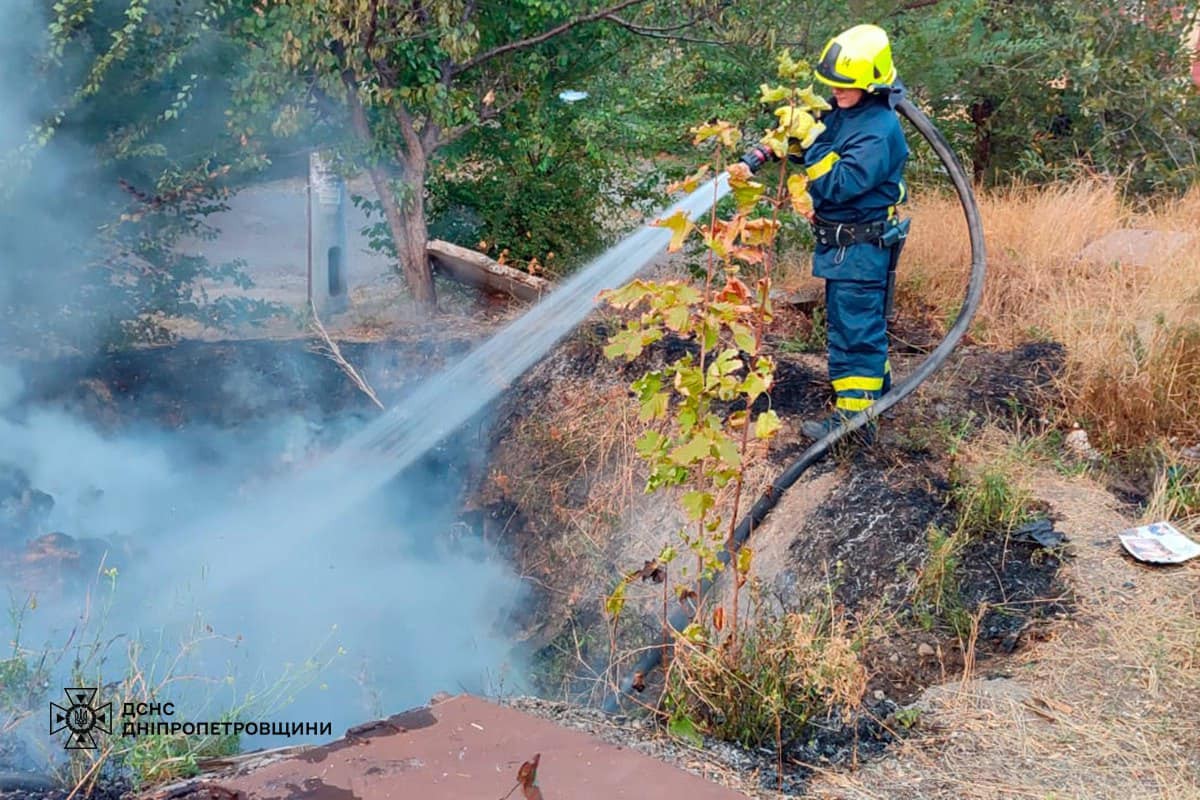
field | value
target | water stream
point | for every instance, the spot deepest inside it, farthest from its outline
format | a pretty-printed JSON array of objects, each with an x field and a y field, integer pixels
[
  {"x": 443, "y": 403},
  {"x": 325, "y": 547}
]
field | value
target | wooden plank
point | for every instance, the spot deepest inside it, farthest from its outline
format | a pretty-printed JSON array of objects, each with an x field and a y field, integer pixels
[{"x": 476, "y": 269}]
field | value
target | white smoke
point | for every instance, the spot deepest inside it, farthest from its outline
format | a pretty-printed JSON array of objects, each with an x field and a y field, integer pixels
[{"x": 399, "y": 610}]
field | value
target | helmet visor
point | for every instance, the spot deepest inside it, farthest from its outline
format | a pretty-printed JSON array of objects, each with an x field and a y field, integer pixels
[{"x": 827, "y": 68}]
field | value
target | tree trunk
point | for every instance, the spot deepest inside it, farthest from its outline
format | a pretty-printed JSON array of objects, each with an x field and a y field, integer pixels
[
  {"x": 405, "y": 220},
  {"x": 981, "y": 118},
  {"x": 410, "y": 235}
]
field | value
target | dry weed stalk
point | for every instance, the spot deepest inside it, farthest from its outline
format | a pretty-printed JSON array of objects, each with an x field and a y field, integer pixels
[
  {"x": 329, "y": 348},
  {"x": 784, "y": 671}
]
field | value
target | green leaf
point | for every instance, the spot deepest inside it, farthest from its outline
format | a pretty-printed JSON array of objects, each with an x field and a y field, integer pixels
[
  {"x": 727, "y": 451},
  {"x": 655, "y": 407},
  {"x": 697, "y": 504},
  {"x": 813, "y": 132},
  {"x": 650, "y": 443},
  {"x": 688, "y": 381},
  {"x": 777, "y": 141},
  {"x": 629, "y": 294},
  {"x": 798, "y": 194},
  {"x": 743, "y": 337},
  {"x": 744, "y": 557},
  {"x": 678, "y": 317},
  {"x": 767, "y": 424},
  {"x": 681, "y": 726},
  {"x": 649, "y": 337},
  {"x": 693, "y": 450},
  {"x": 720, "y": 130},
  {"x": 646, "y": 386},
  {"x": 792, "y": 70},
  {"x": 679, "y": 225},
  {"x": 794, "y": 123},
  {"x": 746, "y": 193},
  {"x": 729, "y": 361},
  {"x": 754, "y": 386},
  {"x": 627, "y": 343},
  {"x": 812, "y": 100},
  {"x": 691, "y": 182},
  {"x": 615, "y": 603},
  {"x": 773, "y": 94},
  {"x": 614, "y": 348}
]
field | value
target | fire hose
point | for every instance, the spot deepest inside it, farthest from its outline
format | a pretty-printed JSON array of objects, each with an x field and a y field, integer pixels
[{"x": 682, "y": 615}]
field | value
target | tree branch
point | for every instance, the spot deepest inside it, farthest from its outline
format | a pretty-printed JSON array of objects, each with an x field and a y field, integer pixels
[
  {"x": 487, "y": 114},
  {"x": 413, "y": 145},
  {"x": 431, "y": 136},
  {"x": 648, "y": 29},
  {"x": 531, "y": 41},
  {"x": 663, "y": 33},
  {"x": 913, "y": 5}
]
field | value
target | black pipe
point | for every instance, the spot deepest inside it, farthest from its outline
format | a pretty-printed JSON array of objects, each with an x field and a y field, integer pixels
[{"x": 680, "y": 618}]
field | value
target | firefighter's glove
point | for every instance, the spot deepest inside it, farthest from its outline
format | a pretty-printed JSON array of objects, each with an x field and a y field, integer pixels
[{"x": 738, "y": 171}]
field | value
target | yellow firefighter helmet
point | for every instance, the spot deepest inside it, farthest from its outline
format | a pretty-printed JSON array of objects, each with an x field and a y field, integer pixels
[{"x": 859, "y": 58}]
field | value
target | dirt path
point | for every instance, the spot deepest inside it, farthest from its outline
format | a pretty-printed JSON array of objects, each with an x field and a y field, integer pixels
[{"x": 1107, "y": 707}]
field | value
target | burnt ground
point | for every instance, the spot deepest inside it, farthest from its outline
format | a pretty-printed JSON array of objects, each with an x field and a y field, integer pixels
[
  {"x": 869, "y": 534},
  {"x": 227, "y": 384},
  {"x": 872, "y": 525},
  {"x": 21, "y": 786},
  {"x": 207, "y": 395},
  {"x": 868, "y": 539}
]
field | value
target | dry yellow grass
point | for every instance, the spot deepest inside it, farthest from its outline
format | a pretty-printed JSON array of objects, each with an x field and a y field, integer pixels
[{"x": 1131, "y": 326}]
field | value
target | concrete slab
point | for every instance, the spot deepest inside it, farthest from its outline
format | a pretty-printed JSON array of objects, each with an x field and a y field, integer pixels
[
  {"x": 462, "y": 748},
  {"x": 1137, "y": 247}
]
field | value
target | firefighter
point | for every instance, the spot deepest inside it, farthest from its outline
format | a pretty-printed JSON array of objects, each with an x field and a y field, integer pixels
[{"x": 855, "y": 171}]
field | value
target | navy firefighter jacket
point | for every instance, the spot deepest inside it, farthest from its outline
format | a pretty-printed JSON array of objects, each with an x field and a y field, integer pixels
[{"x": 856, "y": 174}]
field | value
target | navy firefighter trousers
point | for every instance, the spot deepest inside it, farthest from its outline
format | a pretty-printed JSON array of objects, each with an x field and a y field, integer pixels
[{"x": 857, "y": 334}]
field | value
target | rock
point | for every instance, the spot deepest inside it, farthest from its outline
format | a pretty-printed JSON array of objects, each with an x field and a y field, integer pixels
[
  {"x": 1078, "y": 445},
  {"x": 1135, "y": 247},
  {"x": 924, "y": 650},
  {"x": 805, "y": 300},
  {"x": 23, "y": 508},
  {"x": 13, "y": 482}
]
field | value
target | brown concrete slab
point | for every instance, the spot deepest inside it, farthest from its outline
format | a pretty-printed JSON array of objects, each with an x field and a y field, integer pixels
[{"x": 462, "y": 748}]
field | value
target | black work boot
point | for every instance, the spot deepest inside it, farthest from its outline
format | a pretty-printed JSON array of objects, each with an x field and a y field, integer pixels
[{"x": 818, "y": 429}]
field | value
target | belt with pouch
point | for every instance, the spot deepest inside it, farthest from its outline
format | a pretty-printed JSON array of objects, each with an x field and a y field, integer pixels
[{"x": 844, "y": 234}]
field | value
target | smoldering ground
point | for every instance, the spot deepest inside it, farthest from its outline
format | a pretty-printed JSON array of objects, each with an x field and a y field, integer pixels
[
  {"x": 241, "y": 562},
  {"x": 197, "y": 551}
]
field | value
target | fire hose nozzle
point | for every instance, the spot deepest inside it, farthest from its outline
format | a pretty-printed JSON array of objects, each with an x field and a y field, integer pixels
[{"x": 756, "y": 156}]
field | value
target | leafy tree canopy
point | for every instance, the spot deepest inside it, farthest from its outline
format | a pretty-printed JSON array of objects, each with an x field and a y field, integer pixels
[{"x": 110, "y": 153}]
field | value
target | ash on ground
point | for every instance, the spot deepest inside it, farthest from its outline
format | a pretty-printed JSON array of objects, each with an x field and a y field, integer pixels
[{"x": 831, "y": 743}]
